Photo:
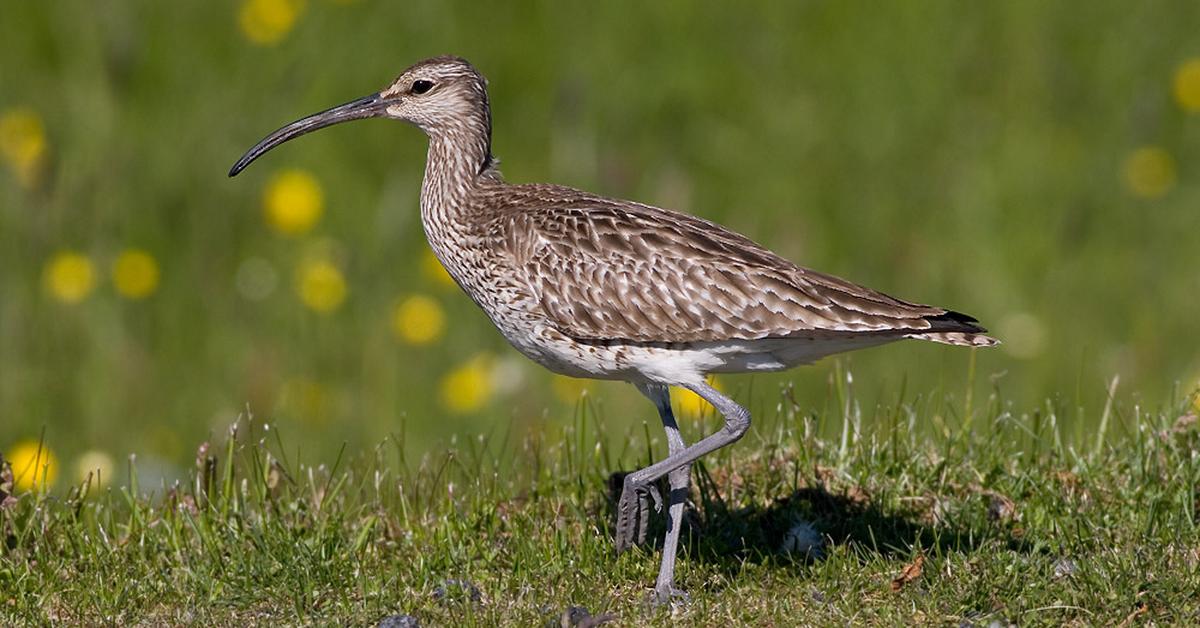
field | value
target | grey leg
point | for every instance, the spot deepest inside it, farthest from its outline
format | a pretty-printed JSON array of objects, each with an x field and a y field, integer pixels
[
  {"x": 664, "y": 587},
  {"x": 676, "y": 466},
  {"x": 633, "y": 511}
]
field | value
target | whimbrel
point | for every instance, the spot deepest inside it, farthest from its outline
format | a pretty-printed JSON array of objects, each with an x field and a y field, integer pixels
[{"x": 595, "y": 287}]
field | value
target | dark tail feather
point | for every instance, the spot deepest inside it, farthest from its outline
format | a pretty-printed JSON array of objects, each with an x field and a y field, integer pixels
[{"x": 956, "y": 328}]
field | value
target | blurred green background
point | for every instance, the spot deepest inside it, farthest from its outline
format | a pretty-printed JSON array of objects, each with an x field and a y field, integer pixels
[{"x": 1034, "y": 164}]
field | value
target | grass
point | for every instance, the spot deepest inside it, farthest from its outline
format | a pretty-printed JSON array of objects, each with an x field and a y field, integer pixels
[{"x": 999, "y": 519}]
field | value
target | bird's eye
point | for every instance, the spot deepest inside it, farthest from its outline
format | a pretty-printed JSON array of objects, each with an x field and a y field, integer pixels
[{"x": 421, "y": 86}]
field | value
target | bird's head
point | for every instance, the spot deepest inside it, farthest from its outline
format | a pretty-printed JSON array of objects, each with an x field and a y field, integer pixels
[{"x": 444, "y": 96}]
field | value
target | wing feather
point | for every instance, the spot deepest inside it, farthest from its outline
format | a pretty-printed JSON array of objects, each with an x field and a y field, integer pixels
[{"x": 607, "y": 270}]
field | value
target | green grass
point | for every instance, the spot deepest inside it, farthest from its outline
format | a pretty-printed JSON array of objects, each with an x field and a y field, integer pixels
[{"x": 1013, "y": 525}]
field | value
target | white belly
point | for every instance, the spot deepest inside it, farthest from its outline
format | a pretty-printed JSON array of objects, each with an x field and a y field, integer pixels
[{"x": 678, "y": 364}]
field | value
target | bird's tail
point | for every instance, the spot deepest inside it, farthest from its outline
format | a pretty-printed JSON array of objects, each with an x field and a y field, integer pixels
[
  {"x": 956, "y": 328},
  {"x": 962, "y": 339}
]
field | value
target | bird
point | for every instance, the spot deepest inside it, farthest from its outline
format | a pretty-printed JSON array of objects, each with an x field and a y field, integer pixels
[{"x": 595, "y": 287}]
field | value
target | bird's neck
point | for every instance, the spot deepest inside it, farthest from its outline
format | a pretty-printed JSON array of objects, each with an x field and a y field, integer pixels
[
  {"x": 457, "y": 168},
  {"x": 459, "y": 160}
]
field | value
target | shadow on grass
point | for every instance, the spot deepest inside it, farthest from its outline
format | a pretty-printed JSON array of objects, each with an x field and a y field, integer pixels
[{"x": 715, "y": 533}]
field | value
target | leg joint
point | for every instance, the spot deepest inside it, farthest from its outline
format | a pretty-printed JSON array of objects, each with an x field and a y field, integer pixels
[{"x": 737, "y": 422}]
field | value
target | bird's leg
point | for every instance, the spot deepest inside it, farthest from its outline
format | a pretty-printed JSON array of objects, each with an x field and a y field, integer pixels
[
  {"x": 737, "y": 421},
  {"x": 664, "y": 587},
  {"x": 676, "y": 466},
  {"x": 633, "y": 512}
]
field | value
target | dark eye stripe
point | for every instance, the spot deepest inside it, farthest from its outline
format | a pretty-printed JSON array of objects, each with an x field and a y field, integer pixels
[{"x": 421, "y": 86}]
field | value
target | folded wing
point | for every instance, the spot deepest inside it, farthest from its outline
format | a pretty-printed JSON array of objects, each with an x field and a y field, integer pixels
[{"x": 616, "y": 271}]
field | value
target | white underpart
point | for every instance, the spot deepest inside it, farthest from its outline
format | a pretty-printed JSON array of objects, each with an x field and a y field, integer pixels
[
  {"x": 675, "y": 365},
  {"x": 691, "y": 365}
]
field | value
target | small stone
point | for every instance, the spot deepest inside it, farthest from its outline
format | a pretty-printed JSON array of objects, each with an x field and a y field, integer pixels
[
  {"x": 575, "y": 614},
  {"x": 1064, "y": 568},
  {"x": 1001, "y": 509},
  {"x": 399, "y": 621},
  {"x": 455, "y": 589},
  {"x": 803, "y": 541}
]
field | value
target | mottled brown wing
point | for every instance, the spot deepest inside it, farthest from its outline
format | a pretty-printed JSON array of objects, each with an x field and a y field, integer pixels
[{"x": 610, "y": 270}]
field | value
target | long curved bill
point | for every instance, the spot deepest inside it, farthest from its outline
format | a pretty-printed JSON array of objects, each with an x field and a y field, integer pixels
[{"x": 366, "y": 107}]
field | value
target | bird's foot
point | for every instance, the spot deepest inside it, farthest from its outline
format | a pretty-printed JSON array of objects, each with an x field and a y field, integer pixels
[
  {"x": 670, "y": 596},
  {"x": 633, "y": 515}
]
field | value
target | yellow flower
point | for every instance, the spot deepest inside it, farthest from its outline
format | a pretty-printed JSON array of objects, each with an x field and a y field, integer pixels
[
  {"x": 32, "y": 463},
  {"x": 469, "y": 387},
  {"x": 1187, "y": 85},
  {"x": 293, "y": 202},
  {"x": 1149, "y": 172},
  {"x": 570, "y": 389},
  {"x": 267, "y": 22},
  {"x": 69, "y": 276},
  {"x": 135, "y": 274},
  {"x": 689, "y": 404},
  {"x": 433, "y": 270},
  {"x": 418, "y": 320},
  {"x": 23, "y": 143},
  {"x": 320, "y": 285},
  {"x": 97, "y": 463}
]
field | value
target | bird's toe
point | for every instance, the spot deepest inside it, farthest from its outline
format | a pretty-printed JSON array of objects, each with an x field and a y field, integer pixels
[
  {"x": 671, "y": 596},
  {"x": 633, "y": 517}
]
